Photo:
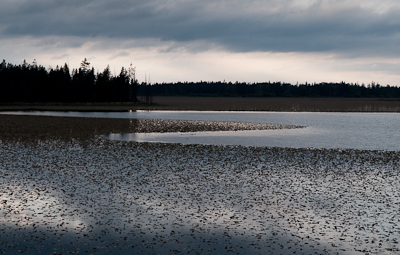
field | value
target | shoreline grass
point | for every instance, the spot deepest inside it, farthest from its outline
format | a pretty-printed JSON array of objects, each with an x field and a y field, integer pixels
[{"x": 287, "y": 104}]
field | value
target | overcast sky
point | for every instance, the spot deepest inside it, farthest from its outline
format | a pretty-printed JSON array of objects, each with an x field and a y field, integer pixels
[{"x": 191, "y": 40}]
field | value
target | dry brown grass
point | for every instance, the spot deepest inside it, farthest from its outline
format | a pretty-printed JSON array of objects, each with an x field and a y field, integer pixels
[
  {"x": 233, "y": 104},
  {"x": 278, "y": 104}
]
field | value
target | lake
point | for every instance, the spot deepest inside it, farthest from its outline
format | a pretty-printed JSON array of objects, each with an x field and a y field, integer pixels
[
  {"x": 147, "y": 198},
  {"x": 365, "y": 131}
]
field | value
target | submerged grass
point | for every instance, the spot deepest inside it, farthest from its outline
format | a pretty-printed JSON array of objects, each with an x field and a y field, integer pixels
[
  {"x": 71, "y": 191},
  {"x": 18, "y": 127},
  {"x": 127, "y": 198}
]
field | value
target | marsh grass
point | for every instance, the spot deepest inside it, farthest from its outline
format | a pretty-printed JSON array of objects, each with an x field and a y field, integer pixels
[
  {"x": 291, "y": 104},
  {"x": 287, "y": 104}
]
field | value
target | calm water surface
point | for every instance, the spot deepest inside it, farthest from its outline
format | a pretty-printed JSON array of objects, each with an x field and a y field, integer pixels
[{"x": 370, "y": 131}]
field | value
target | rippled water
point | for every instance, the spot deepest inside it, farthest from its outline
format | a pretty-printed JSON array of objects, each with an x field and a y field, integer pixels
[
  {"x": 370, "y": 131},
  {"x": 149, "y": 198}
]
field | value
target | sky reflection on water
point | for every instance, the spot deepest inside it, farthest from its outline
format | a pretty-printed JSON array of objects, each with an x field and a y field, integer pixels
[{"x": 369, "y": 131}]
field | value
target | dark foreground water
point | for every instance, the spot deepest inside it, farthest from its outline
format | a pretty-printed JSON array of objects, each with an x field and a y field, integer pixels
[
  {"x": 146, "y": 198},
  {"x": 369, "y": 131}
]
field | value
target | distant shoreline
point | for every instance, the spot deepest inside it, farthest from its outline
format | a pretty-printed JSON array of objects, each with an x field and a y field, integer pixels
[{"x": 280, "y": 104}]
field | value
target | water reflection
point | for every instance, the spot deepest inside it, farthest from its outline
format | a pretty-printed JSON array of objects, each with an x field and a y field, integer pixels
[
  {"x": 154, "y": 198},
  {"x": 270, "y": 138},
  {"x": 367, "y": 131},
  {"x": 309, "y": 137}
]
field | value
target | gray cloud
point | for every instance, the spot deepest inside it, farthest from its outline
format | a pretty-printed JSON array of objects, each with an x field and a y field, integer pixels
[{"x": 239, "y": 26}]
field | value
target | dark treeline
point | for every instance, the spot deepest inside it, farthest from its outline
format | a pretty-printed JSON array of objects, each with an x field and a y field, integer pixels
[
  {"x": 273, "y": 89},
  {"x": 34, "y": 83}
]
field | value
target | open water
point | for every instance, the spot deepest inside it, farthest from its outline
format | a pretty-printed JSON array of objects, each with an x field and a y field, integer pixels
[{"x": 365, "y": 131}]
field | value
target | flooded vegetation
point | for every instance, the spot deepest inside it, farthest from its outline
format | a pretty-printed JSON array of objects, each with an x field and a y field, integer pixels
[
  {"x": 71, "y": 191},
  {"x": 130, "y": 197},
  {"x": 24, "y": 128}
]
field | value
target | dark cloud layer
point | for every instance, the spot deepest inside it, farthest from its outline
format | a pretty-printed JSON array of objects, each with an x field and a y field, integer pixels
[{"x": 253, "y": 26}]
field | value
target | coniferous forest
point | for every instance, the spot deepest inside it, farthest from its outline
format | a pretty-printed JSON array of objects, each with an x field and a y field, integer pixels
[
  {"x": 273, "y": 89},
  {"x": 31, "y": 83},
  {"x": 34, "y": 83}
]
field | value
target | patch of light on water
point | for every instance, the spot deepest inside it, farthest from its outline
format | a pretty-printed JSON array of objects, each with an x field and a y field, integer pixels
[
  {"x": 261, "y": 138},
  {"x": 370, "y": 131}
]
